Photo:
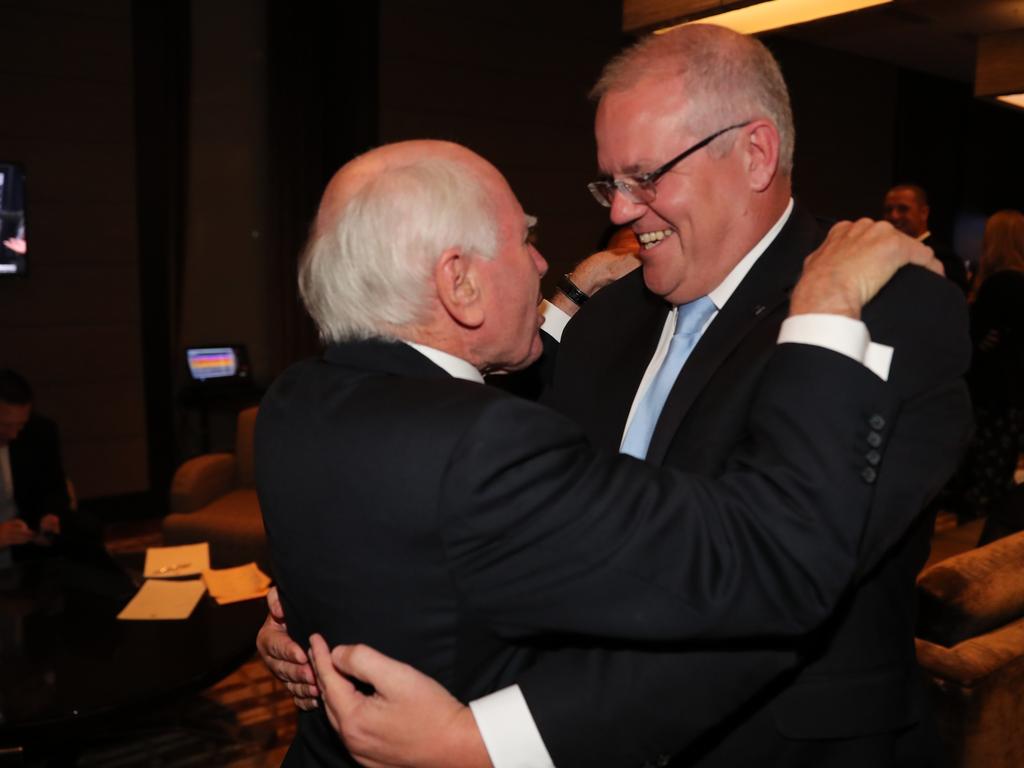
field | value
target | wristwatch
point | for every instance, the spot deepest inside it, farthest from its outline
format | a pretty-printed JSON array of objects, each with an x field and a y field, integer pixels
[{"x": 572, "y": 291}]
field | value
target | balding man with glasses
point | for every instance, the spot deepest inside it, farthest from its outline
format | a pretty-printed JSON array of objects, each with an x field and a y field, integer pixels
[{"x": 663, "y": 364}]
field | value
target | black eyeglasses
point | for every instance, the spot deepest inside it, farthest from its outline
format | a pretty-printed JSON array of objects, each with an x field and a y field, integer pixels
[{"x": 642, "y": 189}]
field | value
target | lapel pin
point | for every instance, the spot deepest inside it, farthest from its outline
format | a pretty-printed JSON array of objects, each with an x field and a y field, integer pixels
[{"x": 759, "y": 309}]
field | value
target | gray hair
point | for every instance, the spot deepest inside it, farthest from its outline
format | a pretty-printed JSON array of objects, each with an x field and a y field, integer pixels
[
  {"x": 368, "y": 270},
  {"x": 728, "y": 77}
]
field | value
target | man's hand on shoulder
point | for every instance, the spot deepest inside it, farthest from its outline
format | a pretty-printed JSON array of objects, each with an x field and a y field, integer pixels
[
  {"x": 851, "y": 266},
  {"x": 408, "y": 720}
]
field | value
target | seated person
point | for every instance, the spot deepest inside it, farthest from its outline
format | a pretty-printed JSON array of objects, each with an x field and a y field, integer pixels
[{"x": 34, "y": 500}]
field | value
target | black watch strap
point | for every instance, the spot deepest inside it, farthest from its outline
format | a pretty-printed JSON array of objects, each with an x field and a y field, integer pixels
[{"x": 572, "y": 291}]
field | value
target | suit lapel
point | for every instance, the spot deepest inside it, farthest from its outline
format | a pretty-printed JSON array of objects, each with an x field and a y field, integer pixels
[
  {"x": 762, "y": 291},
  {"x": 637, "y": 345},
  {"x": 604, "y": 359}
]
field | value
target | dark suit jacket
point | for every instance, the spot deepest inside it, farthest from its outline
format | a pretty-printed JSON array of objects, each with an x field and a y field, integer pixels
[
  {"x": 858, "y": 676},
  {"x": 452, "y": 525},
  {"x": 953, "y": 264},
  {"x": 40, "y": 487}
]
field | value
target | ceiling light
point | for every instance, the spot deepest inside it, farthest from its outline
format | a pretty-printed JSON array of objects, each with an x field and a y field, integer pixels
[
  {"x": 1016, "y": 99},
  {"x": 999, "y": 72},
  {"x": 758, "y": 17}
]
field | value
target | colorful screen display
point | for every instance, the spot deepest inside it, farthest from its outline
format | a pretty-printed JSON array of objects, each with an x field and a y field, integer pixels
[
  {"x": 212, "y": 362},
  {"x": 13, "y": 229}
]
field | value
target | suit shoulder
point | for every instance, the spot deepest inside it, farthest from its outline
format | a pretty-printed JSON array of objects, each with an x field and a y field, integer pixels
[
  {"x": 39, "y": 430},
  {"x": 919, "y": 296},
  {"x": 627, "y": 291},
  {"x": 924, "y": 317},
  {"x": 617, "y": 309}
]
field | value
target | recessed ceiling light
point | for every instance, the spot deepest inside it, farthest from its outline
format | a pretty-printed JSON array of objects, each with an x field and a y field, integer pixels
[{"x": 775, "y": 14}]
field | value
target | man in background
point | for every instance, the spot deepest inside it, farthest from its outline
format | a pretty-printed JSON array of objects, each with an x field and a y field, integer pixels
[
  {"x": 33, "y": 489},
  {"x": 38, "y": 517},
  {"x": 906, "y": 208}
]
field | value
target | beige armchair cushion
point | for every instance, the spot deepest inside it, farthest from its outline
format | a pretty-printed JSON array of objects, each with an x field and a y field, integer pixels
[
  {"x": 199, "y": 481},
  {"x": 231, "y": 524},
  {"x": 972, "y": 593},
  {"x": 213, "y": 498},
  {"x": 976, "y": 687}
]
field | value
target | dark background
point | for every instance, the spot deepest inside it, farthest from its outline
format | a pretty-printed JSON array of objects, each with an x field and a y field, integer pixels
[{"x": 176, "y": 150}]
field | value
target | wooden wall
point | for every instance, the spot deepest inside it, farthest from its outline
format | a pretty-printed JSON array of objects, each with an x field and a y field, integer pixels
[
  {"x": 510, "y": 81},
  {"x": 72, "y": 327}
]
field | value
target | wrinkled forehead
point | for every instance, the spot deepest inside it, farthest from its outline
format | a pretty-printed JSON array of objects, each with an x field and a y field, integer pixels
[{"x": 637, "y": 128}]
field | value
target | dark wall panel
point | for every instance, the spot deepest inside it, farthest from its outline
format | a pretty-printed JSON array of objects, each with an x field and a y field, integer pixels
[
  {"x": 511, "y": 83},
  {"x": 72, "y": 327}
]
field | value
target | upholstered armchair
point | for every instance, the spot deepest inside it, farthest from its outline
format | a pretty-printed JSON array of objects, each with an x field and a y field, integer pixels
[
  {"x": 213, "y": 498},
  {"x": 971, "y": 646}
]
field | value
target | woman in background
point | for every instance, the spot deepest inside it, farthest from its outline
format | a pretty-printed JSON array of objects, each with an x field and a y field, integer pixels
[{"x": 996, "y": 376}]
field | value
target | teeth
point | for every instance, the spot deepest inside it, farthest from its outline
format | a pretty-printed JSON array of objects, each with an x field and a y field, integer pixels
[{"x": 650, "y": 239}]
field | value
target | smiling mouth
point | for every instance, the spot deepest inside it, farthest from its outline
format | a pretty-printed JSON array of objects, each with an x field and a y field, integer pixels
[{"x": 650, "y": 239}]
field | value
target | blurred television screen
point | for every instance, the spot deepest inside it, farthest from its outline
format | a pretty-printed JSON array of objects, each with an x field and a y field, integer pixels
[{"x": 13, "y": 228}]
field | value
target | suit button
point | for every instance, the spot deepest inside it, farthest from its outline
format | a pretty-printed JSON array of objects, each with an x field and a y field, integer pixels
[
  {"x": 868, "y": 475},
  {"x": 874, "y": 439},
  {"x": 873, "y": 457},
  {"x": 876, "y": 421}
]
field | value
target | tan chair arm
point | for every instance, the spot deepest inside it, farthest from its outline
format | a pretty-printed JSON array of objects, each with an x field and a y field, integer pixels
[
  {"x": 201, "y": 480},
  {"x": 970, "y": 662}
]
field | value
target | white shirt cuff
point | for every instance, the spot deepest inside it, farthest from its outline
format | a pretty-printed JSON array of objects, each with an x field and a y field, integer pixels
[
  {"x": 508, "y": 730},
  {"x": 555, "y": 320},
  {"x": 840, "y": 334}
]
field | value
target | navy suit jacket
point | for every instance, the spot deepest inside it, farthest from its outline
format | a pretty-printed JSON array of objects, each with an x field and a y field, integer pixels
[{"x": 854, "y": 677}]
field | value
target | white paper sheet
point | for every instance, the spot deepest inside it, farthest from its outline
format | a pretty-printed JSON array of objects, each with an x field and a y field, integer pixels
[
  {"x": 164, "y": 600},
  {"x": 169, "y": 562},
  {"x": 229, "y": 585}
]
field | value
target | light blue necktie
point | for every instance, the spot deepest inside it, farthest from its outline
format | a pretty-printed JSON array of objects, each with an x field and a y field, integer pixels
[{"x": 690, "y": 319}]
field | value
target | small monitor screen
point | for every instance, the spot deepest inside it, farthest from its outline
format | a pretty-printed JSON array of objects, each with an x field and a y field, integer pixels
[
  {"x": 13, "y": 231},
  {"x": 212, "y": 362}
]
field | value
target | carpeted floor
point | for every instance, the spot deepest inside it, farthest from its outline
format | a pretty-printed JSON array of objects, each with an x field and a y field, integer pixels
[{"x": 245, "y": 721}]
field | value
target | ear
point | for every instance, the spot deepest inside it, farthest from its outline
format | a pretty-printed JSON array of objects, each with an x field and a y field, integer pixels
[
  {"x": 761, "y": 145},
  {"x": 458, "y": 288}
]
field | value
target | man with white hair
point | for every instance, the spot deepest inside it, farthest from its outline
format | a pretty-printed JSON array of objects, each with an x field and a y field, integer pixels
[
  {"x": 453, "y": 525},
  {"x": 695, "y": 138}
]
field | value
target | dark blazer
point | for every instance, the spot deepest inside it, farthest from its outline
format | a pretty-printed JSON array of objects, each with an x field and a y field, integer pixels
[
  {"x": 40, "y": 487},
  {"x": 466, "y": 531},
  {"x": 857, "y": 677},
  {"x": 951, "y": 263}
]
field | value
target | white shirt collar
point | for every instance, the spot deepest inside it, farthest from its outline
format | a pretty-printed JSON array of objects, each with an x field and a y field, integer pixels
[
  {"x": 454, "y": 366},
  {"x": 727, "y": 287}
]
